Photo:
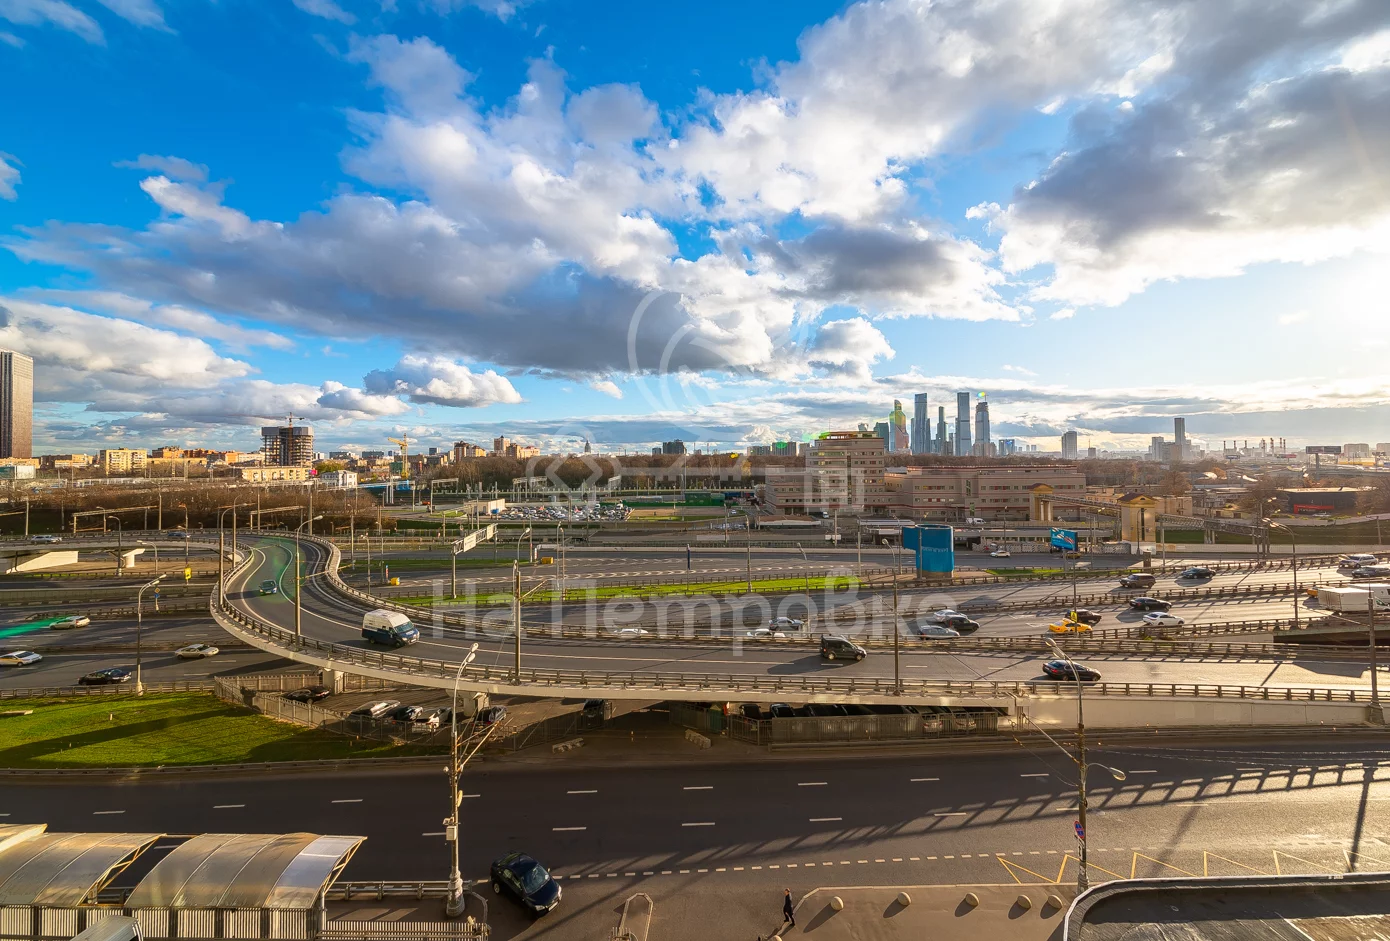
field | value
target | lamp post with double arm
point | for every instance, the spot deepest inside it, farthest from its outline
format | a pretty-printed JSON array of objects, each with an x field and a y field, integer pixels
[
  {"x": 299, "y": 582},
  {"x": 139, "y": 603}
]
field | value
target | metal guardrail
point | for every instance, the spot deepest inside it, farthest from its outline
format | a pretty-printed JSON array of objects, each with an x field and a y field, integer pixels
[{"x": 65, "y": 692}]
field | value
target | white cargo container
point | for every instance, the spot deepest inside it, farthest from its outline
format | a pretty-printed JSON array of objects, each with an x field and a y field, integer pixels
[{"x": 1355, "y": 600}]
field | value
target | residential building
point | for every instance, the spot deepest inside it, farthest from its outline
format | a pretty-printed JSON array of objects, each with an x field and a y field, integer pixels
[
  {"x": 897, "y": 429},
  {"x": 520, "y": 452},
  {"x": 1091, "y": 454},
  {"x": 180, "y": 466},
  {"x": 287, "y": 445},
  {"x": 943, "y": 440},
  {"x": 1069, "y": 451},
  {"x": 122, "y": 462},
  {"x": 921, "y": 425},
  {"x": 373, "y": 455},
  {"x": 16, "y": 405},
  {"x": 1180, "y": 437},
  {"x": 1158, "y": 448},
  {"x": 339, "y": 479},
  {"x": 341, "y": 456},
  {"x": 463, "y": 450},
  {"x": 1356, "y": 452},
  {"x": 1383, "y": 448},
  {"x": 844, "y": 470},
  {"x": 275, "y": 473},
  {"x": 983, "y": 446},
  {"x": 64, "y": 462},
  {"x": 499, "y": 445},
  {"x": 962, "y": 446},
  {"x": 673, "y": 447},
  {"x": 952, "y": 494}
]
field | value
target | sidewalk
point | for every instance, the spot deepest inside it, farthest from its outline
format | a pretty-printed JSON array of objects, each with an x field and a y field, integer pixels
[{"x": 938, "y": 912}]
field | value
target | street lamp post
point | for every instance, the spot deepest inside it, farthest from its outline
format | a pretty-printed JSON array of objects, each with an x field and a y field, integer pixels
[
  {"x": 454, "y": 904},
  {"x": 141, "y": 542},
  {"x": 1294, "y": 540},
  {"x": 120, "y": 539},
  {"x": 298, "y": 608},
  {"x": 185, "y": 534},
  {"x": 898, "y": 568},
  {"x": 139, "y": 597},
  {"x": 454, "y": 568},
  {"x": 1083, "y": 880}
]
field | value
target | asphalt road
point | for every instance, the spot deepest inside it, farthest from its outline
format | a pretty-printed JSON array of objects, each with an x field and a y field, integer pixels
[
  {"x": 743, "y": 832},
  {"x": 329, "y": 617}
]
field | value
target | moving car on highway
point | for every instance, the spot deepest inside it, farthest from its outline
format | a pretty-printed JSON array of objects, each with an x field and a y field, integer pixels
[
  {"x": 1356, "y": 560},
  {"x": 65, "y": 623},
  {"x": 527, "y": 881},
  {"x": 1137, "y": 580},
  {"x": 196, "y": 652},
  {"x": 20, "y": 658},
  {"x": 1162, "y": 619},
  {"x": 934, "y": 631},
  {"x": 45, "y": 538},
  {"x": 106, "y": 677},
  {"x": 1370, "y": 571},
  {"x": 1069, "y": 626},
  {"x": 309, "y": 694},
  {"x": 1084, "y": 615},
  {"x": 945, "y": 614},
  {"x": 268, "y": 587},
  {"x": 836, "y": 647},
  {"x": 1069, "y": 670},
  {"x": 765, "y": 633},
  {"x": 1197, "y": 571},
  {"x": 388, "y": 627},
  {"x": 631, "y": 632},
  {"x": 959, "y": 623},
  {"x": 1149, "y": 604},
  {"x": 1001, "y": 554},
  {"x": 785, "y": 624}
]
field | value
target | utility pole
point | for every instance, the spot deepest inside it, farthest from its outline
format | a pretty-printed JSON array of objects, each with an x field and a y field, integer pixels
[
  {"x": 516, "y": 615},
  {"x": 454, "y": 904},
  {"x": 139, "y": 596},
  {"x": 897, "y": 675},
  {"x": 1371, "y": 618},
  {"x": 748, "y": 530}
]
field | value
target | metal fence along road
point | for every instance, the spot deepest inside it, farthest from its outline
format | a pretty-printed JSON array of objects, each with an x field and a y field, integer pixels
[{"x": 44, "y": 692}]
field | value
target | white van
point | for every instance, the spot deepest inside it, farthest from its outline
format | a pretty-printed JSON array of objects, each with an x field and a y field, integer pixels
[{"x": 388, "y": 627}]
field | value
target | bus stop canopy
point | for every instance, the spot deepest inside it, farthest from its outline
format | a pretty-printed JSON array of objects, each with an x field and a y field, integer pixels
[
  {"x": 230, "y": 870},
  {"x": 39, "y": 868}
]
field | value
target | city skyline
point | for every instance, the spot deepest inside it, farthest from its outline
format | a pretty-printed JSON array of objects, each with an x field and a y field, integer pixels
[{"x": 509, "y": 219}]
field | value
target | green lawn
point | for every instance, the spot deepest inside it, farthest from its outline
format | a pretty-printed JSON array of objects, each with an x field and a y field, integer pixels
[
  {"x": 816, "y": 583},
  {"x": 122, "y": 730}
]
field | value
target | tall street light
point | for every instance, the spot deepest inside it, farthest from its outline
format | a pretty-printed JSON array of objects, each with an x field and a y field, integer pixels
[
  {"x": 453, "y": 906},
  {"x": 298, "y": 582},
  {"x": 139, "y": 597},
  {"x": 1293, "y": 539},
  {"x": 1083, "y": 880},
  {"x": 120, "y": 539},
  {"x": 141, "y": 542},
  {"x": 454, "y": 551}
]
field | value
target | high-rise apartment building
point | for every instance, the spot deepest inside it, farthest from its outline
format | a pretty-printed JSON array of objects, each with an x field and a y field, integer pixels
[
  {"x": 287, "y": 445},
  {"x": 962, "y": 448},
  {"x": 921, "y": 425},
  {"x": 1180, "y": 437},
  {"x": 943, "y": 441},
  {"x": 673, "y": 447},
  {"x": 1069, "y": 451},
  {"x": 16, "y": 405},
  {"x": 122, "y": 462},
  {"x": 983, "y": 447},
  {"x": 897, "y": 428}
]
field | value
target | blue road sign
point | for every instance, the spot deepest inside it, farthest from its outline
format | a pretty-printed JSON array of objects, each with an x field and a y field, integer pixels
[{"x": 1080, "y": 833}]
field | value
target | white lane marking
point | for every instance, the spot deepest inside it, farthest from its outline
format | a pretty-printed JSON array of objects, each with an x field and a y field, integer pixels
[
  {"x": 1039, "y": 774},
  {"x": 954, "y": 813},
  {"x": 826, "y": 819},
  {"x": 1143, "y": 771},
  {"x": 433, "y": 833},
  {"x": 226, "y": 806},
  {"x": 348, "y": 800},
  {"x": 916, "y": 780},
  {"x": 582, "y": 792},
  {"x": 702, "y": 823},
  {"x": 100, "y": 812},
  {"x": 810, "y": 784},
  {"x": 472, "y": 795},
  {"x": 698, "y": 787},
  {"x": 566, "y": 829}
]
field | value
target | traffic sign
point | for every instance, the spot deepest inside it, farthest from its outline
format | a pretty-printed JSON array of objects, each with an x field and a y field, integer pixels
[
  {"x": 187, "y": 573},
  {"x": 1080, "y": 833}
]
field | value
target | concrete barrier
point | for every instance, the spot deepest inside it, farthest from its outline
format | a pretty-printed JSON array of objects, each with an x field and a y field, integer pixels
[{"x": 695, "y": 738}]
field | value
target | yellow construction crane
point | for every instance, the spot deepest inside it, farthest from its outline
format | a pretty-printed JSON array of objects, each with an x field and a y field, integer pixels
[{"x": 404, "y": 442}]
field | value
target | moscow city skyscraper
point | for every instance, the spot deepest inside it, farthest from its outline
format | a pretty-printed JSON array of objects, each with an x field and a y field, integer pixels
[
  {"x": 921, "y": 425},
  {"x": 962, "y": 424},
  {"x": 16, "y": 405}
]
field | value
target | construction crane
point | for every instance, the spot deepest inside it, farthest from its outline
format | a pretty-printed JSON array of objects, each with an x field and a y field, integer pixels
[{"x": 404, "y": 442}]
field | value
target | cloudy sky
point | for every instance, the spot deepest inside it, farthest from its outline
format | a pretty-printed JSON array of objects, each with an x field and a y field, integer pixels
[{"x": 725, "y": 222}]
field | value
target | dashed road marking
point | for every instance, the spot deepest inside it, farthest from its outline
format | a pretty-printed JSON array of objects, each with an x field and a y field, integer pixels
[
  {"x": 101, "y": 812},
  {"x": 433, "y": 833},
  {"x": 698, "y": 787},
  {"x": 919, "y": 780},
  {"x": 826, "y": 819},
  {"x": 226, "y": 806},
  {"x": 566, "y": 829},
  {"x": 348, "y": 800},
  {"x": 582, "y": 792},
  {"x": 700, "y": 823}
]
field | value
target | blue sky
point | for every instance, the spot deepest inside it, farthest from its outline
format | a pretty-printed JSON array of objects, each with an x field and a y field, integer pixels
[{"x": 724, "y": 222}]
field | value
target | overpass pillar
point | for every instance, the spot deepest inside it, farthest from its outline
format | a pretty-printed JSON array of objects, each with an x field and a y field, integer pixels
[{"x": 333, "y": 679}]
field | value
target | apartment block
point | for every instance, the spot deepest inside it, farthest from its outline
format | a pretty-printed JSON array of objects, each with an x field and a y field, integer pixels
[
  {"x": 122, "y": 462},
  {"x": 952, "y": 494}
]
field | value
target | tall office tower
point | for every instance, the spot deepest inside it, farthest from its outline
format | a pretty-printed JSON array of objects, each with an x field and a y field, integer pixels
[
  {"x": 921, "y": 425},
  {"x": 897, "y": 428},
  {"x": 1180, "y": 437},
  {"x": 982, "y": 440},
  {"x": 962, "y": 447},
  {"x": 16, "y": 405},
  {"x": 943, "y": 443},
  {"x": 1069, "y": 445},
  {"x": 287, "y": 445},
  {"x": 884, "y": 431}
]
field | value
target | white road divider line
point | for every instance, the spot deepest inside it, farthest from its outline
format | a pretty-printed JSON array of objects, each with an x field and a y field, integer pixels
[
  {"x": 698, "y": 787},
  {"x": 566, "y": 829},
  {"x": 101, "y": 812},
  {"x": 826, "y": 819},
  {"x": 701, "y": 823},
  {"x": 226, "y": 806},
  {"x": 1038, "y": 774},
  {"x": 582, "y": 792},
  {"x": 433, "y": 833},
  {"x": 919, "y": 780},
  {"x": 810, "y": 784},
  {"x": 348, "y": 800},
  {"x": 952, "y": 813}
]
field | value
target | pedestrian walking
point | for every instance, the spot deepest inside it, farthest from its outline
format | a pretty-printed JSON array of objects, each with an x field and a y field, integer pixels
[{"x": 788, "y": 917}]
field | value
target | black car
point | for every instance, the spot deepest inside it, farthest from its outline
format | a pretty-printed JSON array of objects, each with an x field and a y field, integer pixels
[
  {"x": 597, "y": 708},
  {"x": 405, "y": 713},
  {"x": 960, "y": 623},
  {"x": 309, "y": 694},
  {"x": 1196, "y": 571},
  {"x": 781, "y": 710},
  {"x": 750, "y": 710},
  {"x": 1084, "y": 615},
  {"x": 835, "y": 647},
  {"x": 490, "y": 716},
  {"x": 825, "y": 710},
  {"x": 106, "y": 677},
  {"x": 527, "y": 881},
  {"x": 1137, "y": 580},
  {"x": 1149, "y": 604},
  {"x": 1064, "y": 670}
]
